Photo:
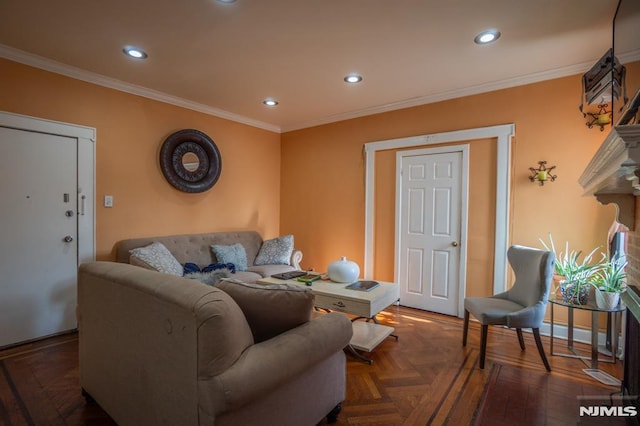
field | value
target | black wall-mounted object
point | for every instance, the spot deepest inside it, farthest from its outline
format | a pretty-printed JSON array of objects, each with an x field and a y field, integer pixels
[
  {"x": 190, "y": 161},
  {"x": 626, "y": 44}
]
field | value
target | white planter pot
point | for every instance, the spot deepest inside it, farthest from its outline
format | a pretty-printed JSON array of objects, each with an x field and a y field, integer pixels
[
  {"x": 607, "y": 300},
  {"x": 343, "y": 271}
]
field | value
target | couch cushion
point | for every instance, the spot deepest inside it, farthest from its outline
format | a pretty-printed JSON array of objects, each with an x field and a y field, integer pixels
[
  {"x": 156, "y": 257},
  {"x": 234, "y": 253},
  {"x": 247, "y": 276},
  {"x": 270, "y": 309},
  {"x": 276, "y": 251},
  {"x": 268, "y": 270}
]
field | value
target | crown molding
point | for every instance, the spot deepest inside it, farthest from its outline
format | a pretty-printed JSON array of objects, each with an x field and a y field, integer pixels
[
  {"x": 447, "y": 95},
  {"x": 90, "y": 77},
  {"x": 462, "y": 92},
  {"x": 36, "y": 61}
]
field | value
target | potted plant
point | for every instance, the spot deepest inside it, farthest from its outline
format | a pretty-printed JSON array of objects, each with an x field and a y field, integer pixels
[
  {"x": 573, "y": 276},
  {"x": 609, "y": 282}
]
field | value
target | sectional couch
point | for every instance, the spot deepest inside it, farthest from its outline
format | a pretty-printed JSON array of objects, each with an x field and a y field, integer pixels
[
  {"x": 196, "y": 248},
  {"x": 159, "y": 349}
]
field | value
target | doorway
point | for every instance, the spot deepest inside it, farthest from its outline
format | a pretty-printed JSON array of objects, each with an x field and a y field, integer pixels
[
  {"x": 48, "y": 224},
  {"x": 501, "y": 135},
  {"x": 431, "y": 194}
]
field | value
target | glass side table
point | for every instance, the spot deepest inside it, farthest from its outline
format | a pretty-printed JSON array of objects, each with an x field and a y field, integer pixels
[{"x": 613, "y": 319}]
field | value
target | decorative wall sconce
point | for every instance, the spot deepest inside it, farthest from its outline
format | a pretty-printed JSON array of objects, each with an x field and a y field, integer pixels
[
  {"x": 600, "y": 118},
  {"x": 542, "y": 174}
]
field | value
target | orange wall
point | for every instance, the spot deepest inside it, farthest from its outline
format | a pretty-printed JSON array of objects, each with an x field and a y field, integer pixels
[
  {"x": 130, "y": 132},
  {"x": 311, "y": 182},
  {"x": 323, "y": 169}
]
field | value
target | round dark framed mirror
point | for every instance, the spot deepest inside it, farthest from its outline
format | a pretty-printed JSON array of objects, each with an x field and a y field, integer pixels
[{"x": 190, "y": 161}]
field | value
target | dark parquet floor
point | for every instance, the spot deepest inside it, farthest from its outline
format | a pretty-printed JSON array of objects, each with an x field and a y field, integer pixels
[{"x": 425, "y": 377}]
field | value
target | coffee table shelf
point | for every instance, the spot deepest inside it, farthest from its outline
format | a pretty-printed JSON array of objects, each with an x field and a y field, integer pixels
[{"x": 366, "y": 335}]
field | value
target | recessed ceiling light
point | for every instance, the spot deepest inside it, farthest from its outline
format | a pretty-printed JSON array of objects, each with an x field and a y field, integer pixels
[
  {"x": 226, "y": 1},
  {"x": 134, "y": 52},
  {"x": 353, "y": 78},
  {"x": 486, "y": 37},
  {"x": 270, "y": 102}
]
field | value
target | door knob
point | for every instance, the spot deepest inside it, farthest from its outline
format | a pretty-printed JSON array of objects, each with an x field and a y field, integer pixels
[
  {"x": 68, "y": 239},
  {"x": 455, "y": 244}
]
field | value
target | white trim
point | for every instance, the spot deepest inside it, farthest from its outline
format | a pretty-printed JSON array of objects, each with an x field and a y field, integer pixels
[
  {"x": 464, "y": 210},
  {"x": 503, "y": 192},
  {"x": 561, "y": 335},
  {"x": 112, "y": 83},
  {"x": 86, "y": 137},
  {"x": 503, "y": 134},
  {"x": 460, "y": 93},
  {"x": 25, "y": 122}
]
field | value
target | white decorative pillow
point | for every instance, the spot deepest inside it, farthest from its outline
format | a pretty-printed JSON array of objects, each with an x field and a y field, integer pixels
[
  {"x": 156, "y": 257},
  {"x": 276, "y": 251},
  {"x": 234, "y": 253}
]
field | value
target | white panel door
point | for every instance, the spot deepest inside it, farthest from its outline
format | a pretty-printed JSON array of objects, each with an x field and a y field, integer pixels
[
  {"x": 38, "y": 266},
  {"x": 430, "y": 208}
]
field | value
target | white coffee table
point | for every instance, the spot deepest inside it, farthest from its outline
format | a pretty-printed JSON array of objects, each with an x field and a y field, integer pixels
[{"x": 366, "y": 305}]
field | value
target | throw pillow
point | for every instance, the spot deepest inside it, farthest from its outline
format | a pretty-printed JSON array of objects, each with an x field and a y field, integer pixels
[
  {"x": 209, "y": 278},
  {"x": 270, "y": 309},
  {"x": 276, "y": 251},
  {"x": 235, "y": 254},
  {"x": 156, "y": 257}
]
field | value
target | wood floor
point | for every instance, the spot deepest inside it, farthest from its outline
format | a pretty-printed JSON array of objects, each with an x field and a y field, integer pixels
[{"x": 425, "y": 377}]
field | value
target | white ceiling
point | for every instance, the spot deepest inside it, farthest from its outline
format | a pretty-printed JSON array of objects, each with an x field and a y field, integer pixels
[{"x": 225, "y": 59}]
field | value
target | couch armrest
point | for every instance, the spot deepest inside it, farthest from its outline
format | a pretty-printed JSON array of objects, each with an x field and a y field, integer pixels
[
  {"x": 296, "y": 258},
  {"x": 266, "y": 365}
]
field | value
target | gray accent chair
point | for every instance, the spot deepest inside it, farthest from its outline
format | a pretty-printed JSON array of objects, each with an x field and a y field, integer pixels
[{"x": 522, "y": 306}]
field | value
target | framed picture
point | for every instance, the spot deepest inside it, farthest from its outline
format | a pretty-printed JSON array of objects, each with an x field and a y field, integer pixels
[{"x": 630, "y": 113}]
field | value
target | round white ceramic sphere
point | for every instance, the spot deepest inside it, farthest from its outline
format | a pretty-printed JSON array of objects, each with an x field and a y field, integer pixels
[{"x": 343, "y": 271}]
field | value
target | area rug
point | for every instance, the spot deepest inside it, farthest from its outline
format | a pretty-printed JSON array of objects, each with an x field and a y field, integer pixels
[{"x": 519, "y": 396}]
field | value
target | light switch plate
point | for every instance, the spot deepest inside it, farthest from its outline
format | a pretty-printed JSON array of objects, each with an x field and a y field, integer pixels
[{"x": 108, "y": 200}]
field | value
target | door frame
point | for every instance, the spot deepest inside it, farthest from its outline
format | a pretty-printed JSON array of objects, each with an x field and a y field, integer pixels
[
  {"x": 464, "y": 209},
  {"x": 502, "y": 135},
  {"x": 86, "y": 138}
]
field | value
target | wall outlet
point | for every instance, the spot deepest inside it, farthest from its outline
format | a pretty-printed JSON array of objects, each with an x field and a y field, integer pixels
[{"x": 108, "y": 200}]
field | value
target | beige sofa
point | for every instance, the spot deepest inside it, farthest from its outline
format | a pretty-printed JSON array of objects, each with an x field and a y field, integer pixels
[
  {"x": 196, "y": 248},
  {"x": 157, "y": 349}
]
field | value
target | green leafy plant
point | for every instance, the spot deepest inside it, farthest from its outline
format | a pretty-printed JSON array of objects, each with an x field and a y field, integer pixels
[
  {"x": 611, "y": 276},
  {"x": 570, "y": 267},
  {"x": 576, "y": 274}
]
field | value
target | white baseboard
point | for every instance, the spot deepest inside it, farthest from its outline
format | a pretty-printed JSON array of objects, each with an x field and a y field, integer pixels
[{"x": 582, "y": 335}]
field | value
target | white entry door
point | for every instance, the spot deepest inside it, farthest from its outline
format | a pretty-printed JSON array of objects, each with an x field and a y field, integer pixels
[
  {"x": 429, "y": 216},
  {"x": 38, "y": 244}
]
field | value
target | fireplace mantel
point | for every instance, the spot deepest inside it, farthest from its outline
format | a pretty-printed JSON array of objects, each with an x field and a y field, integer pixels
[{"x": 613, "y": 174}]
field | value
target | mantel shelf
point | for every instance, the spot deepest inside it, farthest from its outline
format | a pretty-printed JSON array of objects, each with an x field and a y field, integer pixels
[{"x": 612, "y": 176}]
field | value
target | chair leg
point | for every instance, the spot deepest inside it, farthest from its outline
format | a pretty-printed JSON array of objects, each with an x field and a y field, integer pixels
[
  {"x": 465, "y": 328},
  {"x": 520, "y": 338},
  {"x": 483, "y": 344},
  {"x": 536, "y": 335}
]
